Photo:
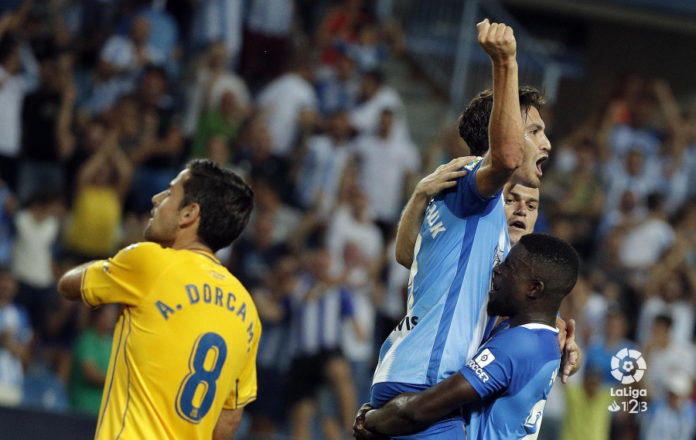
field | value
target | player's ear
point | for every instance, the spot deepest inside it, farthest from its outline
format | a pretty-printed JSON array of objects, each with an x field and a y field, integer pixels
[
  {"x": 189, "y": 214},
  {"x": 536, "y": 289}
]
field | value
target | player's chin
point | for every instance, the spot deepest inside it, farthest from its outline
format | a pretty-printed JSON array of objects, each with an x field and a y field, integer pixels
[
  {"x": 492, "y": 309},
  {"x": 514, "y": 236}
]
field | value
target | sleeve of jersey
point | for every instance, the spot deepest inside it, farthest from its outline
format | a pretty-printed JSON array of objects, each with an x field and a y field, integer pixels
[
  {"x": 123, "y": 279},
  {"x": 465, "y": 199},
  {"x": 490, "y": 371},
  {"x": 244, "y": 391}
]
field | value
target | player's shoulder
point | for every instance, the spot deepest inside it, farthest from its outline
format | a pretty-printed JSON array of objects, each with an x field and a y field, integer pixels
[
  {"x": 529, "y": 341},
  {"x": 473, "y": 164},
  {"x": 140, "y": 248},
  {"x": 145, "y": 253}
]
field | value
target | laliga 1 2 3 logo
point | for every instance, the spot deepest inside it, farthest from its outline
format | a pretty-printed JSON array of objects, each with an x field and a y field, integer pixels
[{"x": 628, "y": 366}]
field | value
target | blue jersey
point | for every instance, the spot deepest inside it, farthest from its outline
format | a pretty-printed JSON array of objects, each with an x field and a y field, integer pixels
[
  {"x": 462, "y": 237},
  {"x": 513, "y": 373}
]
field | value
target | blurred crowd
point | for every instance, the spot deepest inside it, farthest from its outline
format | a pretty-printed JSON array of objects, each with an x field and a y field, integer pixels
[{"x": 103, "y": 102}]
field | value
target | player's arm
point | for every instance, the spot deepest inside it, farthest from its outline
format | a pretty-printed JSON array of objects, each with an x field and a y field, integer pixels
[
  {"x": 444, "y": 177},
  {"x": 408, "y": 413},
  {"x": 227, "y": 424},
  {"x": 505, "y": 130},
  {"x": 70, "y": 284},
  {"x": 123, "y": 279}
]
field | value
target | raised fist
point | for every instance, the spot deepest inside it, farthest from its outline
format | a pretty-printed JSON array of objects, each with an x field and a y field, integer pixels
[{"x": 497, "y": 40}]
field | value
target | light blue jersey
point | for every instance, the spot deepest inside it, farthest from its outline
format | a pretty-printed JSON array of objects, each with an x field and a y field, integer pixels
[
  {"x": 462, "y": 237},
  {"x": 513, "y": 373}
]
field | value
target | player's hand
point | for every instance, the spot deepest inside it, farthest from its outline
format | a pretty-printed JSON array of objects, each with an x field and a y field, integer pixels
[
  {"x": 445, "y": 176},
  {"x": 561, "y": 326},
  {"x": 572, "y": 355},
  {"x": 498, "y": 40},
  {"x": 359, "y": 431}
]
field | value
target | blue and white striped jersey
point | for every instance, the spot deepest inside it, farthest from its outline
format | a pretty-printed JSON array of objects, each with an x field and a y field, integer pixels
[
  {"x": 316, "y": 323},
  {"x": 513, "y": 373},
  {"x": 463, "y": 236}
]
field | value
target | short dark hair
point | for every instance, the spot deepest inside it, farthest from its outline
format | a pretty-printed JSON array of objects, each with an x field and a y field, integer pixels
[
  {"x": 225, "y": 202},
  {"x": 473, "y": 122},
  {"x": 554, "y": 261}
]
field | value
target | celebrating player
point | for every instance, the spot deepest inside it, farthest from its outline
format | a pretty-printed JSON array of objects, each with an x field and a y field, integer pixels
[
  {"x": 183, "y": 363},
  {"x": 463, "y": 235},
  {"x": 506, "y": 384}
]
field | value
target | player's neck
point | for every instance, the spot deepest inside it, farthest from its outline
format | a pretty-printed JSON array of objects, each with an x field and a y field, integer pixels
[
  {"x": 533, "y": 316},
  {"x": 190, "y": 244}
]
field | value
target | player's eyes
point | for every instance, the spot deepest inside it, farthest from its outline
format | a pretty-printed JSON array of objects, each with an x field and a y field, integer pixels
[
  {"x": 532, "y": 207},
  {"x": 509, "y": 201}
]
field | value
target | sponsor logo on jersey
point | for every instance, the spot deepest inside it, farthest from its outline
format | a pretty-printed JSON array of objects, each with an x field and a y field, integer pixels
[
  {"x": 435, "y": 225},
  {"x": 478, "y": 370}
]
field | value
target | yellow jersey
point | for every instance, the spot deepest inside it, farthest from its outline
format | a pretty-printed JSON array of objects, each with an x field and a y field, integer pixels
[{"x": 184, "y": 346}]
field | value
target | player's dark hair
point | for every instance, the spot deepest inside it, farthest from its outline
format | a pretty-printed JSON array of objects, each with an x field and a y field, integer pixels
[
  {"x": 554, "y": 262},
  {"x": 225, "y": 202},
  {"x": 474, "y": 120}
]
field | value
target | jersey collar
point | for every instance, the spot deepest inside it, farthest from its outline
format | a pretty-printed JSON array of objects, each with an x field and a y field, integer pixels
[
  {"x": 208, "y": 255},
  {"x": 538, "y": 326}
]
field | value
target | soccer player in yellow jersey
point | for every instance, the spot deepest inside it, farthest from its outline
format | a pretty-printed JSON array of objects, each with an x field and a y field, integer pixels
[{"x": 183, "y": 360}]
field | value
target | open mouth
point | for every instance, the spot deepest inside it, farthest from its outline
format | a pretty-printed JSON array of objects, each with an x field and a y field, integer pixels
[
  {"x": 538, "y": 164},
  {"x": 518, "y": 225}
]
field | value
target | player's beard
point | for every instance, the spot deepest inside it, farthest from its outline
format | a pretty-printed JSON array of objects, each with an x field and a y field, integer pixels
[{"x": 160, "y": 235}]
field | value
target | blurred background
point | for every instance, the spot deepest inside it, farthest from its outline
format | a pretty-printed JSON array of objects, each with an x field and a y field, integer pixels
[{"x": 332, "y": 111}]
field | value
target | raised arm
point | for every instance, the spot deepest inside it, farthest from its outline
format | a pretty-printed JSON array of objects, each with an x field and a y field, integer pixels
[
  {"x": 505, "y": 130},
  {"x": 411, "y": 412},
  {"x": 445, "y": 176}
]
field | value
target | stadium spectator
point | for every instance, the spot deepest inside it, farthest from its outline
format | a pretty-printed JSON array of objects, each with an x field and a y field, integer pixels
[
  {"x": 102, "y": 185},
  {"x": 666, "y": 357},
  {"x": 283, "y": 100},
  {"x": 324, "y": 162},
  {"x": 673, "y": 417},
  {"x": 606, "y": 345},
  {"x": 15, "y": 336},
  {"x": 91, "y": 360},
  {"x": 161, "y": 151},
  {"x": 318, "y": 308},
  {"x": 213, "y": 80},
  {"x": 337, "y": 86},
  {"x": 375, "y": 97},
  {"x": 646, "y": 242},
  {"x": 19, "y": 74},
  {"x": 586, "y": 413},
  {"x": 372, "y": 152},
  {"x": 47, "y": 118},
  {"x": 38, "y": 225},
  {"x": 267, "y": 46}
]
